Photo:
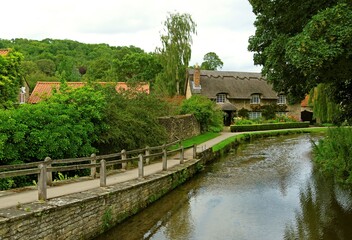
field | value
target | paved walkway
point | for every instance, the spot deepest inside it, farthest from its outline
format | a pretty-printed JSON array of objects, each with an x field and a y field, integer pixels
[{"x": 11, "y": 198}]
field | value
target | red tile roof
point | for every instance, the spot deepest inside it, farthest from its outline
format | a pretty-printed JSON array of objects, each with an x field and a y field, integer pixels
[
  {"x": 44, "y": 89},
  {"x": 305, "y": 101},
  {"x": 4, "y": 52}
]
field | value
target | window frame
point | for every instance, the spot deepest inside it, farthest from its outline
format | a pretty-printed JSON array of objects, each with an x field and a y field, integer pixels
[
  {"x": 255, "y": 97},
  {"x": 255, "y": 115},
  {"x": 221, "y": 98},
  {"x": 281, "y": 99}
]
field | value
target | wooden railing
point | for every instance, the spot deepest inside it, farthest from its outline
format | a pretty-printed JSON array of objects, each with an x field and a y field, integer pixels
[{"x": 45, "y": 168}]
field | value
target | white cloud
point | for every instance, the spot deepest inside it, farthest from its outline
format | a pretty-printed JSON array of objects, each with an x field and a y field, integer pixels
[{"x": 223, "y": 26}]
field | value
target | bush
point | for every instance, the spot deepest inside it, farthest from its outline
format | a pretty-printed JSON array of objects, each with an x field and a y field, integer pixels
[
  {"x": 268, "y": 126},
  {"x": 333, "y": 153},
  {"x": 209, "y": 116},
  {"x": 243, "y": 113}
]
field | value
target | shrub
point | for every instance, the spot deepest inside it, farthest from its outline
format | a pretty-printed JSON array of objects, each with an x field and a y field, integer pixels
[
  {"x": 243, "y": 113},
  {"x": 333, "y": 153},
  {"x": 268, "y": 126},
  {"x": 209, "y": 116}
]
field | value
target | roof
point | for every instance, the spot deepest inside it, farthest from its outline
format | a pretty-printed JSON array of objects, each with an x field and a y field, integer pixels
[
  {"x": 44, "y": 89},
  {"x": 237, "y": 85},
  {"x": 305, "y": 101},
  {"x": 4, "y": 52}
]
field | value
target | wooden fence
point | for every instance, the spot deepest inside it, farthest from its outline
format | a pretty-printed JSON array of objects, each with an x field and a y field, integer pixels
[{"x": 45, "y": 168}]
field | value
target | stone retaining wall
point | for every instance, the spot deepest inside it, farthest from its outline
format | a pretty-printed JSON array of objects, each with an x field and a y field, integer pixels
[
  {"x": 180, "y": 126},
  {"x": 89, "y": 213}
]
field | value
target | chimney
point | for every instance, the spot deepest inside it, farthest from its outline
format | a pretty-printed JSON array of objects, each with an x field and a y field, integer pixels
[{"x": 196, "y": 76}]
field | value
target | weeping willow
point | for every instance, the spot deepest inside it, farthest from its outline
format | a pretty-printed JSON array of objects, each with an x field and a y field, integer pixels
[{"x": 324, "y": 109}]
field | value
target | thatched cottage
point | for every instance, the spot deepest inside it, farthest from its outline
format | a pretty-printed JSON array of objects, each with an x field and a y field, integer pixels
[{"x": 233, "y": 91}]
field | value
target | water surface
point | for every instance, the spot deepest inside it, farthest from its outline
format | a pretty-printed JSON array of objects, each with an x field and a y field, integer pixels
[{"x": 267, "y": 189}]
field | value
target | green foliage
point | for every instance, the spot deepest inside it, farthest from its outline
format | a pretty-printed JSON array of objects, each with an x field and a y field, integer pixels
[
  {"x": 211, "y": 62},
  {"x": 269, "y": 111},
  {"x": 131, "y": 120},
  {"x": 268, "y": 126},
  {"x": 10, "y": 78},
  {"x": 243, "y": 113},
  {"x": 175, "y": 53},
  {"x": 333, "y": 153},
  {"x": 324, "y": 109},
  {"x": 205, "y": 111},
  {"x": 107, "y": 219},
  {"x": 303, "y": 43},
  {"x": 52, "y": 59}
]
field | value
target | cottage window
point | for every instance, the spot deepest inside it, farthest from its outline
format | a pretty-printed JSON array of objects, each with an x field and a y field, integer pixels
[
  {"x": 220, "y": 98},
  {"x": 281, "y": 99},
  {"x": 255, "y": 99},
  {"x": 255, "y": 115}
]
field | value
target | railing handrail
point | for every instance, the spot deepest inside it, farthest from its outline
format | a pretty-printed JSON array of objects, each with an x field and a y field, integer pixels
[{"x": 32, "y": 168}]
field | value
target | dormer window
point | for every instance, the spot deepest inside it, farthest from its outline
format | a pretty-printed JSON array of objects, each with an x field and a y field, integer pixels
[
  {"x": 255, "y": 99},
  {"x": 282, "y": 99},
  {"x": 220, "y": 98}
]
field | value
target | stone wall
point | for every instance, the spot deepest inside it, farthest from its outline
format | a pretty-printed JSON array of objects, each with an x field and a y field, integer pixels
[
  {"x": 180, "y": 127},
  {"x": 89, "y": 213}
]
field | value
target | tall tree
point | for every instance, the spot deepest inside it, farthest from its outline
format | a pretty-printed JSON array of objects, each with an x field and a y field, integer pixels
[
  {"x": 303, "y": 43},
  {"x": 10, "y": 78},
  {"x": 211, "y": 61},
  {"x": 176, "y": 51}
]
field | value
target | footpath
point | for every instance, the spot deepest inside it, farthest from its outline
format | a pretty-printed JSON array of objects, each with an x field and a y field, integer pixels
[{"x": 12, "y": 198}]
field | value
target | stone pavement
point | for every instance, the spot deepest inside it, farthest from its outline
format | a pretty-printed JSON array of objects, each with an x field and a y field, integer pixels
[{"x": 12, "y": 198}]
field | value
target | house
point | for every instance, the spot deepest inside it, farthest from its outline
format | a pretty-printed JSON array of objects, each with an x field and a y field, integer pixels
[
  {"x": 44, "y": 89},
  {"x": 307, "y": 110},
  {"x": 233, "y": 91}
]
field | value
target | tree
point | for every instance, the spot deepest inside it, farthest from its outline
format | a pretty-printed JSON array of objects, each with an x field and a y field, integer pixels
[
  {"x": 303, "y": 43},
  {"x": 10, "y": 78},
  {"x": 175, "y": 53},
  {"x": 137, "y": 67},
  {"x": 211, "y": 62}
]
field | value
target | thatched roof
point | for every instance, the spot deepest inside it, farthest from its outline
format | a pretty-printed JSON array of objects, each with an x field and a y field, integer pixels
[{"x": 237, "y": 85}]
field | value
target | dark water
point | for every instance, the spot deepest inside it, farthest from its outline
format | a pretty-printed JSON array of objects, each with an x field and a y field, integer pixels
[{"x": 264, "y": 190}]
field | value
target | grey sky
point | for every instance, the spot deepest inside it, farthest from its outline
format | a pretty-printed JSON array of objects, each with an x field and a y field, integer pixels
[{"x": 223, "y": 26}]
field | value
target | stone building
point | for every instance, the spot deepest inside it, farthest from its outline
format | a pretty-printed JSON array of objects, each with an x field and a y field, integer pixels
[{"x": 233, "y": 91}]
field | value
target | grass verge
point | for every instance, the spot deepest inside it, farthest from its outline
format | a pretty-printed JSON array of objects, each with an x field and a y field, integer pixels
[
  {"x": 241, "y": 137},
  {"x": 187, "y": 143}
]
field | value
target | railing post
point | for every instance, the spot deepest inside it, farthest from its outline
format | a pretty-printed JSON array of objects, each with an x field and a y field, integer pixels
[
  {"x": 93, "y": 170},
  {"x": 42, "y": 178},
  {"x": 102, "y": 173},
  {"x": 49, "y": 178},
  {"x": 124, "y": 157},
  {"x": 182, "y": 155},
  {"x": 140, "y": 166},
  {"x": 147, "y": 153},
  {"x": 194, "y": 151},
  {"x": 164, "y": 159}
]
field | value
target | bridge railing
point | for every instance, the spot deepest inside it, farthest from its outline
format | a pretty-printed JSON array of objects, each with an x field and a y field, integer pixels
[{"x": 44, "y": 169}]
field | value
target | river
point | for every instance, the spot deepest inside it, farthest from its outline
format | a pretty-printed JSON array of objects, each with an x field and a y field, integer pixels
[{"x": 267, "y": 189}]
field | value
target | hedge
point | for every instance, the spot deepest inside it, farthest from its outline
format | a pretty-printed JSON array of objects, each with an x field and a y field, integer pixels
[{"x": 268, "y": 126}]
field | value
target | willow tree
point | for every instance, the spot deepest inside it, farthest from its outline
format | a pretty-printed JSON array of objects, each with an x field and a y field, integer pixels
[
  {"x": 324, "y": 109},
  {"x": 303, "y": 43},
  {"x": 175, "y": 52}
]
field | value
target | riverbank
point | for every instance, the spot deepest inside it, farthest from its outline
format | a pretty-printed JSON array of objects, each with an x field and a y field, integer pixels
[{"x": 87, "y": 213}]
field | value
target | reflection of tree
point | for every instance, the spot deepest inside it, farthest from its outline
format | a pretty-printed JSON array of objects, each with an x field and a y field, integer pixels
[{"x": 321, "y": 216}]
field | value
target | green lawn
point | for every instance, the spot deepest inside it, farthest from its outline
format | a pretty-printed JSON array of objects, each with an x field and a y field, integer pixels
[{"x": 187, "y": 143}]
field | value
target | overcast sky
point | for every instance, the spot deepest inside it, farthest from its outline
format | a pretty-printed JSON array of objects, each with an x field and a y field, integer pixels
[{"x": 223, "y": 26}]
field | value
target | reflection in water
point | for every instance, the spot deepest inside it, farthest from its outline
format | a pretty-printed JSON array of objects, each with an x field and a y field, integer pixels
[
  {"x": 326, "y": 211},
  {"x": 263, "y": 190}
]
